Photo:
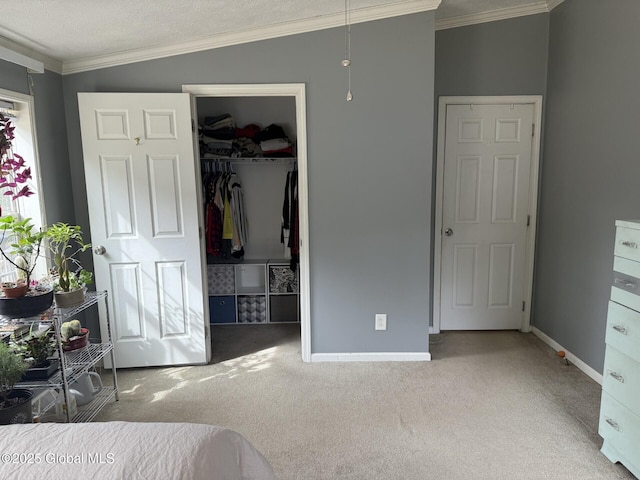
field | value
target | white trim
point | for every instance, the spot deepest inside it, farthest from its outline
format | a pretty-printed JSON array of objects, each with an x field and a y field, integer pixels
[
  {"x": 296, "y": 90},
  {"x": 553, "y": 3},
  {"x": 26, "y": 123},
  {"x": 372, "y": 357},
  {"x": 536, "y": 100},
  {"x": 12, "y": 56},
  {"x": 492, "y": 15},
  {"x": 586, "y": 369},
  {"x": 322, "y": 22},
  {"x": 34, "y": 61}
]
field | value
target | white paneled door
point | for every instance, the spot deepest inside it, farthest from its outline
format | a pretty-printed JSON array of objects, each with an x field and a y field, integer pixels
[
  {"x": 487, "y": 165},
  {"x": 144, "y": 210}
]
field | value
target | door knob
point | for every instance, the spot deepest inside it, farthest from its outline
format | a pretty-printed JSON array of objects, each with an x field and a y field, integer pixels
[
  {"x": 99, "y": 250},
  {"x": 448, "y": 232}
]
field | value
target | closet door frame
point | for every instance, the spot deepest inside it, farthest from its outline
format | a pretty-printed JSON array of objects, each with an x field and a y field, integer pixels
[{"x": 296, "y": 90}]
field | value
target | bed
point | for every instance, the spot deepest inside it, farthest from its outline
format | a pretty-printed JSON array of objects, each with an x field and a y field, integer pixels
[{"x": 127, "y": 450}]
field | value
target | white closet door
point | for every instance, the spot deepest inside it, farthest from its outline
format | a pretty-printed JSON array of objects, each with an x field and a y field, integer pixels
[{"x": 144, "y": 209}]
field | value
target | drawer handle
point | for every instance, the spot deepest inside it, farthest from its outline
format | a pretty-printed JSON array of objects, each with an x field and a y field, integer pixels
[
  {"x": 613, "y": 423},
  {"x": 624, "y": 283},
  {"x": 620, "y": 329},
  {"x": 617, "y": 376},
  {"x": 629, "y": 244}
]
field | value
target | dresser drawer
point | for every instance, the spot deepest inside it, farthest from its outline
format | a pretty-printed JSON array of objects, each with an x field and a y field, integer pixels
[
  {"x": 620, "y": 428},
  {"x": 623, "y": 330},
  {"x": 626, "y": 283},
  {"x": 627, "y": 243},
  {"x": 621, "y": 379}
]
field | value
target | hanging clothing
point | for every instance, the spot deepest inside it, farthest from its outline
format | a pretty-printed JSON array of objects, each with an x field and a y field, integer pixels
[
  {"x": 225, "y": 220},
  {"x": 289, "y": 234}
]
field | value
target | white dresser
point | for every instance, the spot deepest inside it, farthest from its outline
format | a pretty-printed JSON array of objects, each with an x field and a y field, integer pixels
[{"x": 620, "y": 409}]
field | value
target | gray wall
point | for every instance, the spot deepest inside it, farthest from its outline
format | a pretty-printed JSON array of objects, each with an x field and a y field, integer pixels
[
  {"x": 51, "y": 137},
  {"x": 591, "y": 168},
  {"x": 508, "y": 57},
  {"x": 370, "y": 165}
]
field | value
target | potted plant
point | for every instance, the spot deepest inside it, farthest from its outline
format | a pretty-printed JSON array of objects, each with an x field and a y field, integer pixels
[
  {"x": 36, "y": 350},
  {"x": 20, "y": 245},
  {"x": 14, "y": 172},
  {"x": 65, "y": 243},
  {"x": 15, "y": 404},
  {"x": 24, "y": 244},
  {"x": 74, "y": 335}
]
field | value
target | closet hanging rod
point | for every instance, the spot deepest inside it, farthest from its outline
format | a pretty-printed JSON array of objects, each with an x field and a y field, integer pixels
[{"x": 252, "y": 160}]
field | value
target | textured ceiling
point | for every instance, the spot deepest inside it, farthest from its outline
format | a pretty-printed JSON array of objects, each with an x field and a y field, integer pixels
[{"x": 72, "y": 30}]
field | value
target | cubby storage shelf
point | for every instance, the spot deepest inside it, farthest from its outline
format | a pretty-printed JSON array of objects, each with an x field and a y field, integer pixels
[{"x": 253, "y": 292}]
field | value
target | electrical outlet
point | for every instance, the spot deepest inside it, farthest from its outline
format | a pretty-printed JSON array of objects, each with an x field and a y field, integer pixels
[{"x": 381, "y": 321}]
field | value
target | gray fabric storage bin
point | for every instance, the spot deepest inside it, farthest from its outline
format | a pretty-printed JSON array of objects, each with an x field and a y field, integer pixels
[
  {"x": 252, "y": 309},
  {"x": 220, "y": 280}
]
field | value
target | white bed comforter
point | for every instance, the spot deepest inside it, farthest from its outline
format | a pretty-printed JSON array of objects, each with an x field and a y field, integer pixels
[{"x": 124, "y": 450}]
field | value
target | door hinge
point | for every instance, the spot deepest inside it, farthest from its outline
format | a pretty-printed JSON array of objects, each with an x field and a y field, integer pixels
[
  {"x": 533, "y": 129},
  {"x": 528, "y": 220},
  {"x": 193, "y": 125},
  {"x": 523, "y": 305}
]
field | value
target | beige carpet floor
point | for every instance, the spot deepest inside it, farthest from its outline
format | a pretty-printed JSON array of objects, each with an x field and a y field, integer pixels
[{"x": 491, "y": 405}]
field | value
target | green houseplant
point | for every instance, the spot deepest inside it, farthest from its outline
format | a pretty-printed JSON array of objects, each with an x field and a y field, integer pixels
[
  {"x": 35, "y": 351},
  {"x": 20, "y": 245},
  {"x": 65, "y": 244},
  {"x": 24, "y": 244},
  {"x": 15, "y": 404}
]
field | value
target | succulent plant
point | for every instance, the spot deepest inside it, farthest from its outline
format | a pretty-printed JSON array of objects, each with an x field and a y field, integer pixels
[{"x": 70, "y": 329}]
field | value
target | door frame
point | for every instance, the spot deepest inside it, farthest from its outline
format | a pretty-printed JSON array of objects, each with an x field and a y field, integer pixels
[
  {"x": 296, "y": 90},
  {"x": 444, "y": 102}
]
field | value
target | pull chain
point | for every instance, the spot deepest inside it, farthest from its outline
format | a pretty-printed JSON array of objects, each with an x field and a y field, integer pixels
[{"x": 347, "y": 47}]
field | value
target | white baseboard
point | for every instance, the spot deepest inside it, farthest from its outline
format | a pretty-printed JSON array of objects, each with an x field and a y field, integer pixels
[
  {"x": 372, "y": 357},
  {"x": 586, "y": 369}
]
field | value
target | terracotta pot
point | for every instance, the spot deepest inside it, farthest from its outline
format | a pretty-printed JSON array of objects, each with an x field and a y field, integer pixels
[
  {"x": 14, "y": 290},
  {"x": 78, "y": 341}
]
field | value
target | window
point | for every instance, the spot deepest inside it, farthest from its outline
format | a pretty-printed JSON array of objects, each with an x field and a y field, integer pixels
[{"x": 19, "y": 108}]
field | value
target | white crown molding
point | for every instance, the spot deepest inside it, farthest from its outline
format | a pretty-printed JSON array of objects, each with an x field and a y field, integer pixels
[
  {"x": 493, "y": 15},
  {"x": 50, "y": 63},
  {"x": 553, "y": 3},
  {"x": 250, "y": 35}
]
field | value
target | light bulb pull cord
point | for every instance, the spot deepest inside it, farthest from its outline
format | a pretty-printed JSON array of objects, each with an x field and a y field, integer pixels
[{"x": 347, "y": 47}]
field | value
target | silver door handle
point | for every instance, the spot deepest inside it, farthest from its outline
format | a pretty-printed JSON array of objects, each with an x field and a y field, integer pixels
[
  {"x": 448, "y": 232},
  {"x": 620, "y": 329},
  {"x": 99, "y": 250},
  {"x": 617, "y": 376},
  {"x": 624, "y": 283},
  {"x": 613, "y": 423}
]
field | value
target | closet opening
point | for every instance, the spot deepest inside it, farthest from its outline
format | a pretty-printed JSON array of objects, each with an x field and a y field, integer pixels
[{"x": 252, "y": 160}]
